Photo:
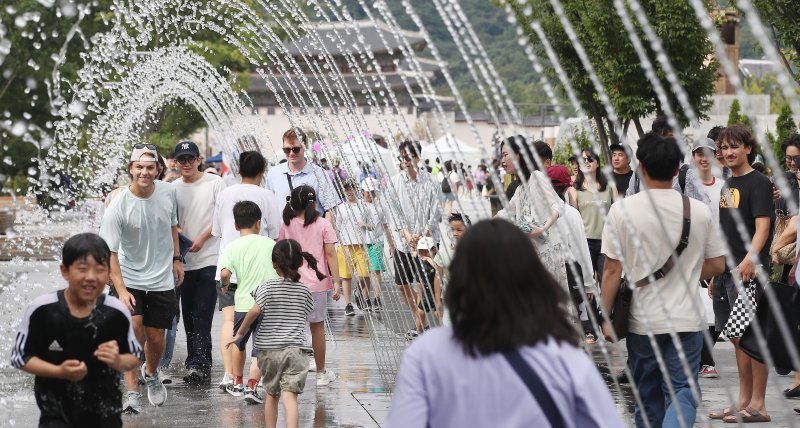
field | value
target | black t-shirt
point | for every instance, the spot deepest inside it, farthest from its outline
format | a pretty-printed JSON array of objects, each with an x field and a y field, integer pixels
[
  {"x": 48, "y": 331},
  {"x": 622, "y": 181},
  {"x": 751, "y": 196},
  {"x": 512, "y": 188}
]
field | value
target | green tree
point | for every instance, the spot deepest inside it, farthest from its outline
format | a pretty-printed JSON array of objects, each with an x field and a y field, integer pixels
[
  {"x": 735, "y": 116},
  {"x": 606, "y": 42},
  {"x": 782, "y": 17},
  {"x": 785, "y": 127}
]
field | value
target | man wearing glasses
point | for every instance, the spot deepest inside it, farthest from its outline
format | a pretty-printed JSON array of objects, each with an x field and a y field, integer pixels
[
  {"x": 196, "y": 193},
  {"x": 145, "y": 265},
  {"x": 791, "y": 151},
  {"x": 415, "y": 214},
  {"x": 297, "y": 171}
]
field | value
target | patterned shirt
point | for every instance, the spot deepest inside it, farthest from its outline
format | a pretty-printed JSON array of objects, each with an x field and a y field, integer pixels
[
  {"x": 415, "y": 207},
  {"x": 284, "y": 307}
]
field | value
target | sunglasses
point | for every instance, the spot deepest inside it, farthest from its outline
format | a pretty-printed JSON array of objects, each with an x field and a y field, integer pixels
[
  {"x": 589, "y": 159},
  {"x": 145, "y": 146},
  {"x": 185, "y": 160},
  {"x": 406, "y": 158},
  {"x": 294, "y": 150}
]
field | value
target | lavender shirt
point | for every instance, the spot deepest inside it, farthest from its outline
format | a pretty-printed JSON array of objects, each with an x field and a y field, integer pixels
[{"x": 440, "y": 386}]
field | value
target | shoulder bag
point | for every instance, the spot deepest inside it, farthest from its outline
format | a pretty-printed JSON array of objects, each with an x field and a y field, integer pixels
[{"x": 536, "y": 387}]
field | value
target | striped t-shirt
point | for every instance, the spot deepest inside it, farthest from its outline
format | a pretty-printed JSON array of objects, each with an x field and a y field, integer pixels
[{"x": 284, "y": 307}]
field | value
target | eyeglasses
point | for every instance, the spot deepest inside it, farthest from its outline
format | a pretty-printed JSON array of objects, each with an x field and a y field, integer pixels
[
  {"x": 185, "y": 160},
  {"x": 589, "y": 159},
  {"x": 144, "y": 146},
  {"x": 294, "y": 150},
  {"x": 795, "y": 159},
  {"x": 406, "y": 158}
]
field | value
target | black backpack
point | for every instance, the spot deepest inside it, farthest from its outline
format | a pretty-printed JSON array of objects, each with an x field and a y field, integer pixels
[
  {"x": 681, "y": 179},
  {"x": 446, "y": 185}
]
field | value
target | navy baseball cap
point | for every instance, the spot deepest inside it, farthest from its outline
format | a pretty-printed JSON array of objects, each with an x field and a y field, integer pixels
[{"x": 186, "y": 148}]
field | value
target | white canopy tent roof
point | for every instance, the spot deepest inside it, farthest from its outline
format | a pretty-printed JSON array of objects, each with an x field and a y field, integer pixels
[{"x": 448, "y": 147}]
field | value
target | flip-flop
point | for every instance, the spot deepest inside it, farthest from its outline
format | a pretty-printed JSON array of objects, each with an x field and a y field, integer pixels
[
  {"x": 751, "y": 417},
  {"x": 721, "y": 415}
]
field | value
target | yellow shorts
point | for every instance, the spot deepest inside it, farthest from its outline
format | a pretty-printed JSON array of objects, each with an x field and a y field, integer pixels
[{"x": 353, "y": 256}]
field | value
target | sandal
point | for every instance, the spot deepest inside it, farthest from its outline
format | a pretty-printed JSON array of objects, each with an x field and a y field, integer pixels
[
  {"x": 590, "y": 339},
  {"x": 748, "y": 415},
  {"x": 721, "y": 415}
]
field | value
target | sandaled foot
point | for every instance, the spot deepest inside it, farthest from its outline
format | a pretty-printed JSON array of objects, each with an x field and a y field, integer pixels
[
  {"x": 720, "y": 415},
  {"x": 748, "y": 415}
]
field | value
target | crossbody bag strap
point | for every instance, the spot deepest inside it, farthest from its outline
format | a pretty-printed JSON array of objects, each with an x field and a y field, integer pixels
[
  {"x": 536, "y": 387},
  {"x": 682, "y": 244}
]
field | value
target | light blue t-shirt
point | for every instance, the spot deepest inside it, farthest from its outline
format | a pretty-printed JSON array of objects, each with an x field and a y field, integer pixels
[
  {"x": 311, "y": 175},
  {"x": 140, "y": 232}
]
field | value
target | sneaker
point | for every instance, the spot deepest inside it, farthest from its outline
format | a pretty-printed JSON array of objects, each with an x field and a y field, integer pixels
[
  {"x": 235, "y": 390},
  {"x": 709, "y": 372},
  {"x": 226, "y": 380},
  {"x": 156, "y": 391},
  {"x": 196, "y": 376},
  {"x": 141, "y": 375},
  {"x": 324, "y": 379},
  {"x": 375, "y": 304},
  {"x": 348, "y": 310},
  {"x": 622, "y": 377},
  {"x": 251, "y": 396},
  {"x": 312, "y": 365},
  {"x": 130, "y": 403},
  {"x": 411, "y": 334}
]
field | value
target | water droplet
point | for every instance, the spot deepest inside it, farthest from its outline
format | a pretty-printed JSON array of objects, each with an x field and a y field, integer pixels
[{"x": 19, "y": 128}]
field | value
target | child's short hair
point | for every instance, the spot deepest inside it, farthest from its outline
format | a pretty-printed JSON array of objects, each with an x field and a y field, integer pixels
[
  {"x": 85, "y": 244},
  {"x": 459, "y": 217},
  {"x": 246, "y": 214}
]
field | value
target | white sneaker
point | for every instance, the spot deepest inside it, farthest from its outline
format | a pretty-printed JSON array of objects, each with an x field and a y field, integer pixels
[
  {"x": 312, "y": 365},
  {"x": 130, "y": 403},
  {"x": 227, "y": 379},
  {"x": 156, "y": 391},
  {"x": 324, "y": 379}
]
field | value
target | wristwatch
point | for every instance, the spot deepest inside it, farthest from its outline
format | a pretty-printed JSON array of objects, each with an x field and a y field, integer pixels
[{"x": 178, "y": 259}]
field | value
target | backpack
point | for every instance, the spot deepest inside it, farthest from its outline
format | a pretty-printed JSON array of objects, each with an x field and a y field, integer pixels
[
  {"x": 446, "y": 185},
  {"x": 681, "y": 179}
]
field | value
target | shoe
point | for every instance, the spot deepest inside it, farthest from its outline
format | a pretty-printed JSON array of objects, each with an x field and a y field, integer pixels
[
  {"x": 251, "y": 396},
  {"x": 227, "y": 379},
  {"x": 312, "y": 365},
  {"x": 622, "y": 377},
  {"x": 156, "y": 391},
  {"x": 324, "y": 379},
  {"x": 235, "y": 390},
  {"x": 590, "y": 339},
  {"x": 709, "y": 372},
  {"x": 792, "y": 392},
  {"x": 782, "y": 371},
  {"x": 359, "y": 302},
  {"x": 141, "y": 375},
  {"x": 130, "y": 403},
  {"x": 376, "y": 306},
  {"x": 195, "y": 376},
  {"x": 348, "y": 310},
  {"x": 411, "y": 334}
]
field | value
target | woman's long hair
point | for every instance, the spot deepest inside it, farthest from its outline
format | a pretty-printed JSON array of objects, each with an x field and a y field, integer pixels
[
  {"x": 302, "y": 199},
  {"x": 580, "y": 178},
  {"x": 500, "y": 295},
  {"x": 288, "y": 257}
]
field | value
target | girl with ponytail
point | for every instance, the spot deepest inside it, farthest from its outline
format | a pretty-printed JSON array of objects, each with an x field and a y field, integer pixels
[
  {"x": 317, "y": 238},
  {"x": 284, "y": 305}
]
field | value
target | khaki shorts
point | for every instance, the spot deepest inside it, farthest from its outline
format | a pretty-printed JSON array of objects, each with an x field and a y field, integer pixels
[{"x": 284, "y": 370}]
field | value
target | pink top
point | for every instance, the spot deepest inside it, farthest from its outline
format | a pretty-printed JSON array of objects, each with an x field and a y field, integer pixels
[{"x": 312, "y": 239}]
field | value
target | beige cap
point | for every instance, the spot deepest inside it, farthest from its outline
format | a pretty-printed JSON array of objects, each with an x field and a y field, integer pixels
[{"x": 140, "y": 150}]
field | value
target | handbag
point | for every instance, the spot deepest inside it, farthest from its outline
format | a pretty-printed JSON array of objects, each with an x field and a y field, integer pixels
[
  {"x": 788, "y": 299},
  {"x": 620, "y": 315},
  {"x": 537, "y": 388}
]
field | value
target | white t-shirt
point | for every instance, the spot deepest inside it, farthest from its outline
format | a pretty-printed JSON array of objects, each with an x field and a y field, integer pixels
[
  {"x": 140, "y": 232},
  {"x": 377, "y": 219},
  {"x": 634, "y": 233},
  {"x": 348, "y": 218},
  {"x": 195, "y": 213},
  {"x": 713, "y": 191},
  {"x": 455, "y": 178},
  {"x": 223, "y": 225}
]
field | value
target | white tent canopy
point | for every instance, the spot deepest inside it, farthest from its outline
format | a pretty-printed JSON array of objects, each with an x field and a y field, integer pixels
[{"x": 448, "y": 147}]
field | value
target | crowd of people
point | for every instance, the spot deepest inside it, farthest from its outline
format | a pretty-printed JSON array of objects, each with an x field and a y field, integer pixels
[{"x": 270, "y": 252}]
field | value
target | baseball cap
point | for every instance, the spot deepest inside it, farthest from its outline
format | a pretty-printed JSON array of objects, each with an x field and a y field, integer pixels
[
  {"x": 425, "y": 243},
  {"x": 759, "y": 160},
  {"x": 622, "y": 147},
  {"x": 141, "y": 149},
  {"x": 559, "y": 176},
  {"x": 186, "y": 148},
  {"x": 369, "y": 185},
  {"x": 704, "y": 143}
]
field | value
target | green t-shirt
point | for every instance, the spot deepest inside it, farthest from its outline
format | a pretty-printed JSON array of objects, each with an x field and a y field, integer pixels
[{"x": 250, "y": 258}]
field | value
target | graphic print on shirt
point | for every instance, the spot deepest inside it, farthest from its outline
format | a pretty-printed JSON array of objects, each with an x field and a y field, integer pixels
[{"x": 729, "y": 198}]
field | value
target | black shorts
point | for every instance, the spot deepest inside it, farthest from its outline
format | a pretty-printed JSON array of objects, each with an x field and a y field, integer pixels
[
  {"x": 407, "y": 268},
  {"x": 238, "y": 319},
  {"x": 225, "y": 300},
  {"x": 157, "y": 308}
]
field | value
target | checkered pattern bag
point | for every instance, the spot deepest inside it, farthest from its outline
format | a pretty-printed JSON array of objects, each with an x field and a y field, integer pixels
[{"x": 740, "y": 315}]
